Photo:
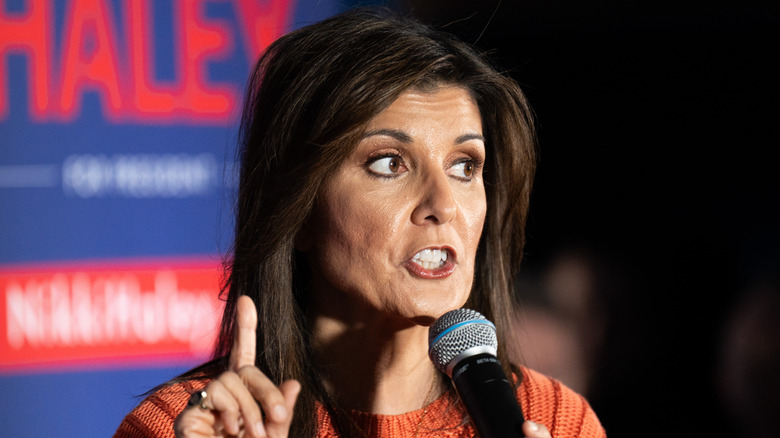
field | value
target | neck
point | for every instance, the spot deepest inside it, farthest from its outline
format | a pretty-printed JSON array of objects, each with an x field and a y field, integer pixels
[{"x": 373, "y": 363}]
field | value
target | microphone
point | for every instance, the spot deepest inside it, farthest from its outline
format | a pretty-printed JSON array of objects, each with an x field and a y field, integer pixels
[{"x": 462, "y": 344}]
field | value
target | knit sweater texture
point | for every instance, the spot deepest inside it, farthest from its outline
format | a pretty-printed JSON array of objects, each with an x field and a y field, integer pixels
[{"x": 543, "y": 400}]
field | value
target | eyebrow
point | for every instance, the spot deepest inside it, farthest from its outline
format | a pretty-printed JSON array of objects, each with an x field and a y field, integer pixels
[
  {"x": 466, "y": 137},
  {"x": 394, "y": 133},
  {"x": 405, "y": 138}
]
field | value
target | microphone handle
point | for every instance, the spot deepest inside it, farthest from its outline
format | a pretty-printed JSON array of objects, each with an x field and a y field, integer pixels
[{"x": 488, "y": 396}]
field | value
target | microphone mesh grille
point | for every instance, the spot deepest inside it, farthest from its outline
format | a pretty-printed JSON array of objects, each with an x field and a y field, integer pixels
[{"x": 475, "y": 331}]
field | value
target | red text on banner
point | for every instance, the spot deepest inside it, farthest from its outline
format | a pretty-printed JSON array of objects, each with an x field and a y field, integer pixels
[
  {"x": 112, "y": 53},
  {"x": 108, "y": 315}
]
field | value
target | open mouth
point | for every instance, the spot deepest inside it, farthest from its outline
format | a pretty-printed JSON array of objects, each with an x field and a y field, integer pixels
[{"x": 431, "y": 258}]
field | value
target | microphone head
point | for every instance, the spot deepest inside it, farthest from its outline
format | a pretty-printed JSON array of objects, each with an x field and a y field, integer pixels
[{"x": 458, "y": 334}]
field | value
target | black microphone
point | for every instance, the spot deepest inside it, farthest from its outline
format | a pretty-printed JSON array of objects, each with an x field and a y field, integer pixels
[{"x": 462, "y": 344}]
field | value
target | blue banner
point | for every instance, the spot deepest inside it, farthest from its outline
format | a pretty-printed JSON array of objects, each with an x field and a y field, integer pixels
[{"x": 118, "y": 124}]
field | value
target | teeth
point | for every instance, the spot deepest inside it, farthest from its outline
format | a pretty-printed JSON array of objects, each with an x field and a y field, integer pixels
[{"x": 431, "y": 258}]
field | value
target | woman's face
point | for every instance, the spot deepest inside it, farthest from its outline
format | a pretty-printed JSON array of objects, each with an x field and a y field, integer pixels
[{"x": 396, "y": 228}]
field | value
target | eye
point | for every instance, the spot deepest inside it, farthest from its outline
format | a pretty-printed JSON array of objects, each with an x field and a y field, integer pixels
[
  {"x": 386, "y": 166},
  {"x": 464, "y": 169}
]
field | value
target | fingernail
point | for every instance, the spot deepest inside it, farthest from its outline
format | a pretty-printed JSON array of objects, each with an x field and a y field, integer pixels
[
  {"x": 280, "y": 412},
  {"x": 260, "y": 429},
  {"x": 534, "y": 427}
]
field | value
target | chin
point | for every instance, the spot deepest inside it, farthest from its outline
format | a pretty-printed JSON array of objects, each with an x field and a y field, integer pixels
[{"x": 432, "y": 311}]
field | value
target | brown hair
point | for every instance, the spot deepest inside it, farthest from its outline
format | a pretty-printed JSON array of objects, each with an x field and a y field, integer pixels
[{"x": 307, "y": 103}]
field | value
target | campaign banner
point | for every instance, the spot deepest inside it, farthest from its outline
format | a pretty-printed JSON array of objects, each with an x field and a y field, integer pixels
[
  {"x": 118, "y": 130},
  {"x": 108, "y": 314}
]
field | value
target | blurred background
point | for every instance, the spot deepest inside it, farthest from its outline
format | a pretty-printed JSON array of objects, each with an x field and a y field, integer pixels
[{"x": 651, "y": 273}]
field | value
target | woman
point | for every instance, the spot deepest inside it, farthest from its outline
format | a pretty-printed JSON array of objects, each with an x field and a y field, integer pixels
[{"x": 386, "y": 171}]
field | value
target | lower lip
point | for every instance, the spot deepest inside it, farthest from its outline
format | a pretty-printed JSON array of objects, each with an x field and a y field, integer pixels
[{"x": 443, "y": 271}]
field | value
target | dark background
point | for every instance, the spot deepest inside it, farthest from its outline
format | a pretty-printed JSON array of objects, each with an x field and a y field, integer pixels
[{"x": 657, "y": 129}]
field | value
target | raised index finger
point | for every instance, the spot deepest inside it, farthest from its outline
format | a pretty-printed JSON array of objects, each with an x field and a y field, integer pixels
[{"x": 244, "y": 344}]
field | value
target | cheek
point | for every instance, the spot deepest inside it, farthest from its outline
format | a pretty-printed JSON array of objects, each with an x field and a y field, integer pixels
[
  {"x": 337, "y": 233},
  {"x": 355, "y": 229},
  {"x": 474, "y": 216}
]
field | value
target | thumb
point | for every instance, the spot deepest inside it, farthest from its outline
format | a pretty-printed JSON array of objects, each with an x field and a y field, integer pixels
[{"x": 290, "y": 390}]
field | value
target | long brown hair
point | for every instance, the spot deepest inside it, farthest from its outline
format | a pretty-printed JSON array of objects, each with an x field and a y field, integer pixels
[{"x": 309, "y": 98}]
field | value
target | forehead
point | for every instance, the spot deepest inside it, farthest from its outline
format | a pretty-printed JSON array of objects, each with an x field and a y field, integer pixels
[{"x": 452, "y": 103}]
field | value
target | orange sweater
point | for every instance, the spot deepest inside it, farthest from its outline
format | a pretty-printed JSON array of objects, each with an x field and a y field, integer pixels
[{"x": 543, "y": 400}]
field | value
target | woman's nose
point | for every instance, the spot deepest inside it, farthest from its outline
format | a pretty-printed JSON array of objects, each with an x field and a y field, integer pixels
[{"x": 436, "y": 203}]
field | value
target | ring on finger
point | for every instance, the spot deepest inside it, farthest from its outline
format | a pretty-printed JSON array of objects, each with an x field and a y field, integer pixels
[{"x": 198, "y": 398}]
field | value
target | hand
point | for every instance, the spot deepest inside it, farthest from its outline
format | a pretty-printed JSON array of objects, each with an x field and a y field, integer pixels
[
  {"x": 232, "y": 398},
  {"x": 535, "y": 430}
]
